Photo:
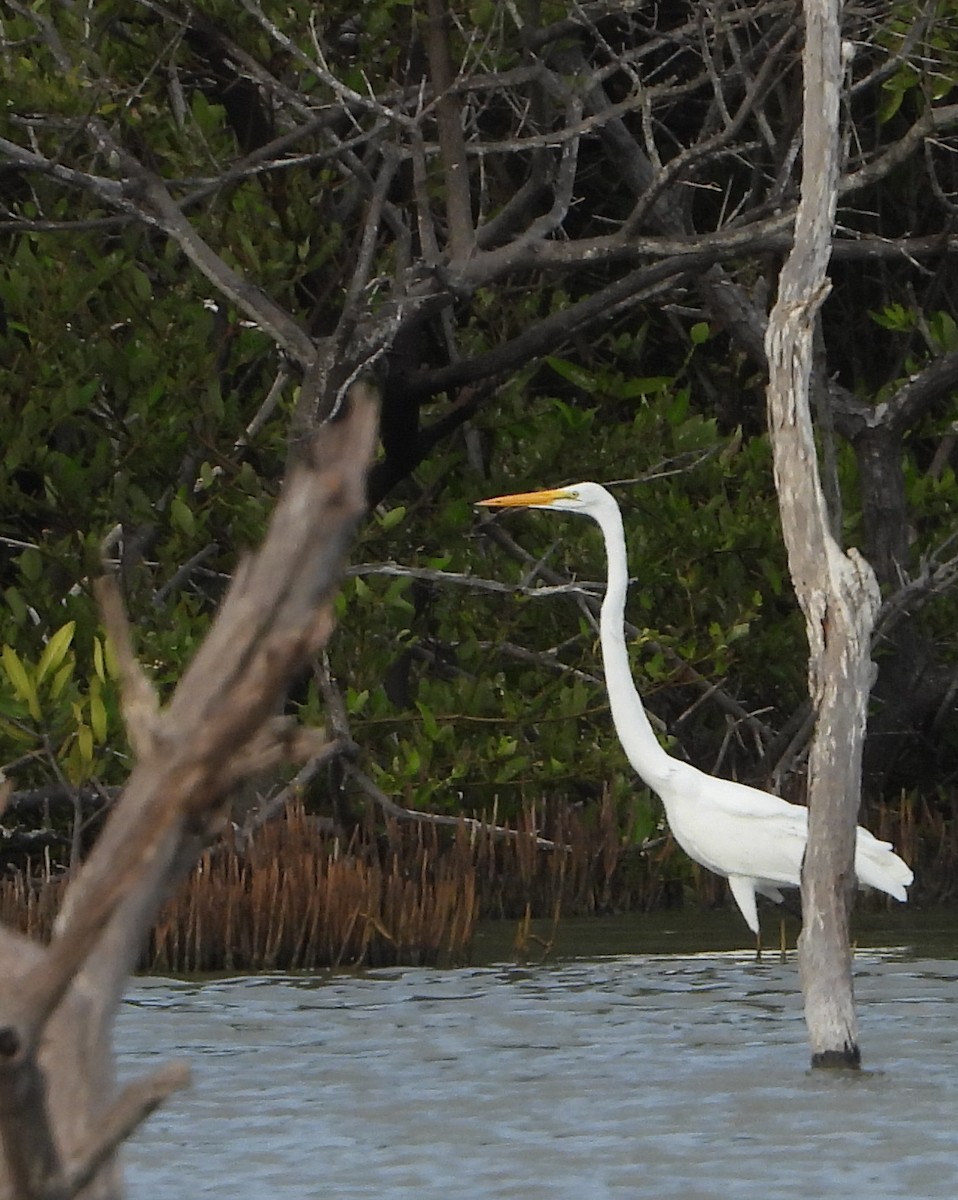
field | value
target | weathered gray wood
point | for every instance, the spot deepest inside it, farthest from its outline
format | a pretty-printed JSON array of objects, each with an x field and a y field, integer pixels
[
  {"x": 61, "y": 1117},
  {"x": 837, "y": 592}
]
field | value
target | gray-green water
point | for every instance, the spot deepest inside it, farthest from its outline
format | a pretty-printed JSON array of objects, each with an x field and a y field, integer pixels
[{"x": 637, "y": 1075}]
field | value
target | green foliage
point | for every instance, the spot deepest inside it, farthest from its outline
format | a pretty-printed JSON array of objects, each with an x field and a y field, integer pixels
[
  {"x": 914, "y": 86},
  {"x": 447, "y": 718},
  {"x": 48, "y": 714},
  {"x": 127, "y": 387},
  {"x": 938, "y": 328},
  {"x": 116, "y": 377}
]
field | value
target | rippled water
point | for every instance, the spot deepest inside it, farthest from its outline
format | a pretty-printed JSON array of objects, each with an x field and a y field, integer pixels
[{"x": 631, "y": 1076}]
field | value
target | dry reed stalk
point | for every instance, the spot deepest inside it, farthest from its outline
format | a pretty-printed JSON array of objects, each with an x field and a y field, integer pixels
[{"x": 300, "y": 897}]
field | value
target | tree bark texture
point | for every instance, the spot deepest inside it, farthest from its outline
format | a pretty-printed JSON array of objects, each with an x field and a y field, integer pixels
[
  {"x": 837, "y": 592},
  {"x": 61, "y": 1117}
]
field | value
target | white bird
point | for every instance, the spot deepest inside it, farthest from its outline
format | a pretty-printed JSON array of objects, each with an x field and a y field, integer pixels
[{"x": 753, "y": 839}]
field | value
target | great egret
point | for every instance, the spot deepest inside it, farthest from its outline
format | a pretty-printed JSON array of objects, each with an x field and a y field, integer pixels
[{"x": 753, "y": 839}]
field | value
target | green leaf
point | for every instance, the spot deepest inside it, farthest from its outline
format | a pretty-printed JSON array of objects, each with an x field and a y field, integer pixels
[
  {"x": 98, "y": 716},
  {"x": 896, "y": 317},
  {"x": 392, "y": 518},
  {"x": 575, "y": 418},
  {"x": 699, "y": 333},
  {"x": 213, "y": 401},
  {"x": 110, "y": 659},
  {"x": 182, "y": 516},
  {"x": 85, "y": 743},
  {"x": 207, "y": 476},
  {"x": 141, "y": 285},
  {"x": 62, "y": 678},
  {"x": 648, "y": 386},
  {"x": 98, "y": 664},
  {"x": 55, "y": 650},
  {"x": 11, "y": 730},
  {"x": 22, "y": 684},
  {"x": 678, "y": 409},
  {"x": 894, "y": 95},
  {"x": 429, "y": 723},
  {"x": 944, "y": 330},
  {"x": 395, "y": 598},
  {"x": 31, "y": 565},
  {"x": 573, "y": 373},
  {"x": 18, "y": 606}
]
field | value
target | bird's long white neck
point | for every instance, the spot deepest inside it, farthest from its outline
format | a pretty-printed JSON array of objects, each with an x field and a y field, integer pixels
[{"x": 638, "y": 740}]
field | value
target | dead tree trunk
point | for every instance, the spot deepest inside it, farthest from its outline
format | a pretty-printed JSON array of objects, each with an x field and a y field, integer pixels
[
  {"x": 61, "y": 1118},
  {"x": 837, "y": 591}
]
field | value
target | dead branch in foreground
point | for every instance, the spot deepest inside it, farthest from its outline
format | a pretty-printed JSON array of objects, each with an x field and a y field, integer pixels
[{"x": 61, "y": 1115}]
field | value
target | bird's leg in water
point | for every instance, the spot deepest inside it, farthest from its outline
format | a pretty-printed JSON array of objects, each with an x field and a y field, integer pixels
[
  {"x": 782, "y": 942},
  {"x": 758, "y": 945}
]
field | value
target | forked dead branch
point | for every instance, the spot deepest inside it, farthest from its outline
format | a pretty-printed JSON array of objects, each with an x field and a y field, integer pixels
[{"x": 61, "y": 1116}]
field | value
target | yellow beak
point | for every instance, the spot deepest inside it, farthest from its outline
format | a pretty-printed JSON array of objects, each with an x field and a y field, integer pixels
[{"x": 523, "y": 499}]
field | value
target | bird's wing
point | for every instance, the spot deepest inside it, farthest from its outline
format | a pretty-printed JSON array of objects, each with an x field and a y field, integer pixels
[
  {"x": 735, "y": 830},
  {"x": 767, "y": 850},
  {"x": 733, "y": 799}
]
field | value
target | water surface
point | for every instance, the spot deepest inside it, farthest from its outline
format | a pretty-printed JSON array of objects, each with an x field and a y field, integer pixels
[{"x": 642, "y": 1075}]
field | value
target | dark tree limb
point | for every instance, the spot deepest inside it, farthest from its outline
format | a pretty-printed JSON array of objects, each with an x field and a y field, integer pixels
[
  {"x": 391, "y": 809},
  {"x": 461, "y": 231}
]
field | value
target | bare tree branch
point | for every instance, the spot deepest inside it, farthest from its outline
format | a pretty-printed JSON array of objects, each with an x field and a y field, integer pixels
[
  {"x": 130, "y": 1109},
  {"x": 837, "y": 591},
  {"x": 396, "y": 811},
  {"x": 461, "y": 231},
  {"x": 473, "y": 582},
  {"x": 57, "y": 1003}
]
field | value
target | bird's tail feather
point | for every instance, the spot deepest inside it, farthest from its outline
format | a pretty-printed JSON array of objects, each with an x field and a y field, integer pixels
[{"x": 878, "y": 866}]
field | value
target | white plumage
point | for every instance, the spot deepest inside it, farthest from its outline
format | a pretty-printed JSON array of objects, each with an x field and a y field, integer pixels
[{"x": 754, "y": 839}]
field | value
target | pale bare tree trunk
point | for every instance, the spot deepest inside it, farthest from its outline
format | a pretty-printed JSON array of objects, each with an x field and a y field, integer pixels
[
  {"x": 61, "y": 1117},
  {"x": 837, "y": 591}
]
